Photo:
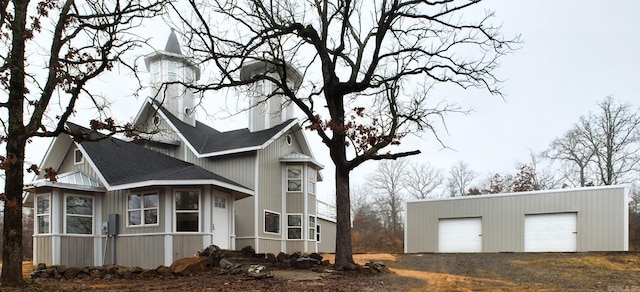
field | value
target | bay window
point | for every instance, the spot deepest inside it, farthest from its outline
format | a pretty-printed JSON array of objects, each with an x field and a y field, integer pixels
[
  {"x": 294, "y": 226},
  {"x": 43, "y": 214},
  {"x": 187, "y": 211},
  {"x": 79, "y": 214}
]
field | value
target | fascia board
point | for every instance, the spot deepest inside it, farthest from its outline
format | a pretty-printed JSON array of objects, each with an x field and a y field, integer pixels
[
  {"x": 180, "y": 183},
  {"x": 54, "y": 144}
]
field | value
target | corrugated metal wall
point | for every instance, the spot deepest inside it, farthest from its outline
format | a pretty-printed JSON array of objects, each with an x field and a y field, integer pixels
[
  {"x": 143, "y": 251},
  {"x": 602, "y": 218},
  {"x": 327, "y": 242},
  {"x": 76, "y": 251}
]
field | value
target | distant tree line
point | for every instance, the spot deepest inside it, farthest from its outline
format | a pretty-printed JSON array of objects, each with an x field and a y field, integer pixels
[{"x": 27, "y": 232}]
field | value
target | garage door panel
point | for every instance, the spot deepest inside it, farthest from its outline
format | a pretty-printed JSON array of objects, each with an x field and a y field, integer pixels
[
  {"x": 460, "y": 235},
  {"x": 550, "y": 232}
]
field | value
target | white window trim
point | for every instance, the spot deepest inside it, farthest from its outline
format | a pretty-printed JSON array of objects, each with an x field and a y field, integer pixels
[
  {"x": 315, "y": 222},
  {"x": 75, "y": 153},
  {"x": 36, "y": 229},
  {"x": 318, "y": 232},
  {"x": 175, "y": 218},
  {"x": 293, "y": 226},
  {"x": 301, "y": 178},
  {"x": 264, "y": 222},
  {"x": 93, "y": 211},
  {"x": 142, "y": 209},
  {"x": 312, "y": 180}
]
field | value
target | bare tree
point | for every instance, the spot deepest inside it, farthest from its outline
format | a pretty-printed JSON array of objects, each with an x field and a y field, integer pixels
[
  {"x": 387, "y": 183},
  {"x": 423, "y": 179},
  {"x": 80, "y": 40},
  {"x": 460, "y": 178},
  {"x": 541, "y": 178},
  {"x": 613, "y": 134},
  {"x": 365, "y": 69},
  {"x": 575, "y": 155}
]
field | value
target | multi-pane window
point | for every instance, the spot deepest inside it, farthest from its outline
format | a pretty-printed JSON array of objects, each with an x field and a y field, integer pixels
[
  {"x": 79, "y": 214},
  {"x": 318, "y": 233},
  {"x": 312, "y": 227},
  {"x": 312, "y": 181},
  {"x": 294, "y": 178},
  {"x": 220, "y": 203},
  {"x": 271, "y": 222},
  {"x": 43, "y": 214},
  {"x": 294, "y": 226},
  {"x": 142, "y": 209},
  {"x": 187, "y": 211}
]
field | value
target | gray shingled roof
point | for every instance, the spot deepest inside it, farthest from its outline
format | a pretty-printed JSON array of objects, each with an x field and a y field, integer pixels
[
  {"x": 122, "y": 162},
  {"x": 207, "y": 140}
]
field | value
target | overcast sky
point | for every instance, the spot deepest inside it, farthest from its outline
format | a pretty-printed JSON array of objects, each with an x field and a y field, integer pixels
[{"x": 574, "y": 54}]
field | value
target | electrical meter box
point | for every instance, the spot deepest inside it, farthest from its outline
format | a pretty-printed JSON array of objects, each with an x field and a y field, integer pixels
[{"x": 112, "y": 225}]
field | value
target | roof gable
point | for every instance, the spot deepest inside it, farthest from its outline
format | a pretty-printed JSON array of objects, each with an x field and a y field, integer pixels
[
  {"x": 205, "y": 141},
  {"x": 121, "y": 163}
]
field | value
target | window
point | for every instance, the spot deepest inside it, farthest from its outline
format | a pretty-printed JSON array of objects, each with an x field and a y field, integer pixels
[
  {"x": 43, "y": 207},
  {"x": 79, "y": 214},
  {"x": 294, "y": 179},
  {"x": 155, "y": 72},
  {"x": 142, "y": 209},
  {"x": 294, "y": 226},
  {"x": 220, "y": 203},
  {"x": 172, "y": 71},
  {"x": 318, "y": 233},
  {"x": 311, "y": 188},
  {"x": 312, "y": 227},
  {"x": 77, "y": 157},
  {"x": 288, "y": 139},
  {"x": 271, "y": 222},
  {"x": 187, "y": 208}
]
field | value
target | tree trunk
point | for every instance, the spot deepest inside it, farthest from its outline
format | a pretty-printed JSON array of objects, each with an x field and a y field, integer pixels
[
  {"x": 15, "y": 144},
  {"x": 12, "y": 233},
  {"x": 344, "y": 250}
]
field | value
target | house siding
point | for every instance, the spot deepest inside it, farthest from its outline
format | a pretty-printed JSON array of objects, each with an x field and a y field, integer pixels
[
  {"x": 327, "y": 242},
  {"x": 68, "y": 164},
  {"x": 602, "y": 218},
  {"x": 236, "y": 167},
  {"x": 145, "y": 251},
  {"x": 270, "y": 186},
  {"x": 186, "y": 245},
  {"x": 43, "y": 247},
  {"x": 294, "y": 246},
  {"x": 116, "y": 202},
  {"x": 76, "y": 251},
  {"x": 245, "y": 218}
]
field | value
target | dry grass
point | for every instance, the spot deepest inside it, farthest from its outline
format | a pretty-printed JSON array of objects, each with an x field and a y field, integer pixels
[{"x": 27, "y": 268}]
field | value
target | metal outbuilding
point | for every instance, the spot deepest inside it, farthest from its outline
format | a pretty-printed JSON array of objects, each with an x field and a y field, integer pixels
[{"x": 564, "y": 220}]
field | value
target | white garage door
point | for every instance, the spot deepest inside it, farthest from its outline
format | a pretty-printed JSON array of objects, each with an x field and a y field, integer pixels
[
  {"x": 460, "y": 235},
  {"x": 550, "y": 232}
]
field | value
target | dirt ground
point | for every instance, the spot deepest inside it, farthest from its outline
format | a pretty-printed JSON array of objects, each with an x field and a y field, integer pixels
[{"x": 410, "y": 272}]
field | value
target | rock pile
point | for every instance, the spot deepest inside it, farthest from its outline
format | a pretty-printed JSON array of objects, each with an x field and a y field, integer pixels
[
  {"x": 101, "y": 272},
  {"x": 226, "y": 261}
]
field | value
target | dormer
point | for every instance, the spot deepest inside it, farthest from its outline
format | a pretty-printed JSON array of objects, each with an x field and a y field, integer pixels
[
  {"x": 169, "y": 71},
  {"x": 268, "y": 107}
]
